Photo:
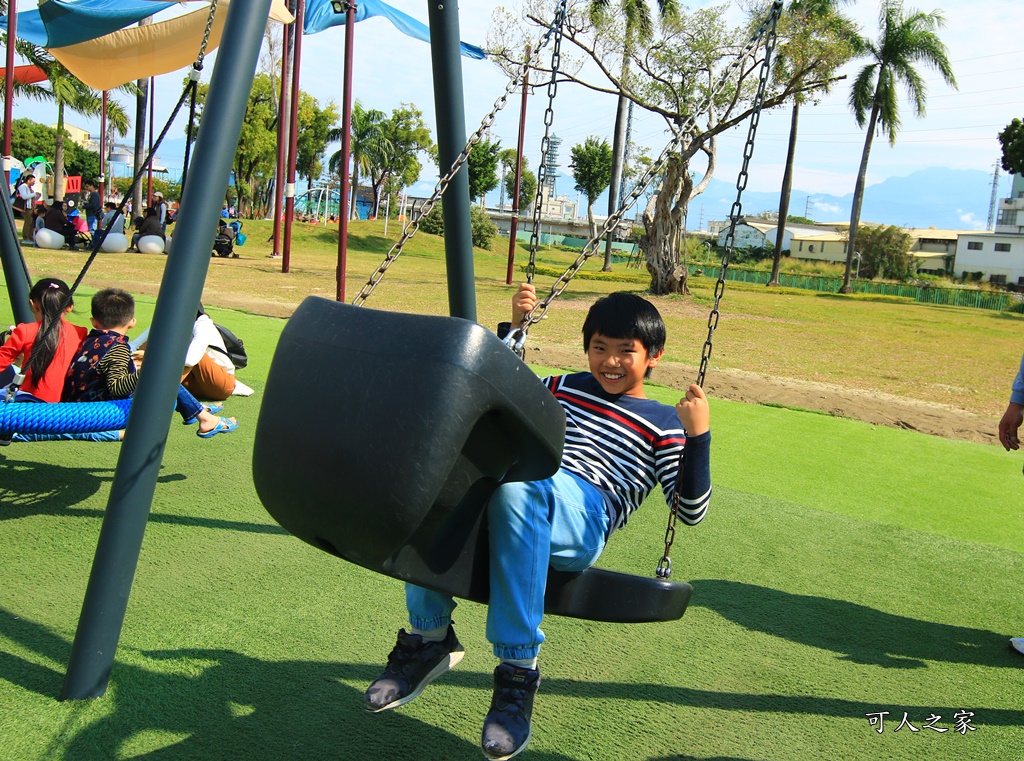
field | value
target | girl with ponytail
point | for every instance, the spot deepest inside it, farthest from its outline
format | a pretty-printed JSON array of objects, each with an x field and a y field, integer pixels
[{"x": 47, "y": 346}]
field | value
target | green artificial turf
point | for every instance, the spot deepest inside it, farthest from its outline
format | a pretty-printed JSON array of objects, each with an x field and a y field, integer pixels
[{"x": 843, "y": 570}]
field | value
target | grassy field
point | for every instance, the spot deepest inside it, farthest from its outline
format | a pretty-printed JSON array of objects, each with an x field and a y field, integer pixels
[
  {"x": 843, "y": 570},
  {"x": 961, "y": 357}
]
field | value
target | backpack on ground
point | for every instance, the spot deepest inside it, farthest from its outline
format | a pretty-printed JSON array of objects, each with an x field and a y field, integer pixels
[{"x": 235, "y": 347}]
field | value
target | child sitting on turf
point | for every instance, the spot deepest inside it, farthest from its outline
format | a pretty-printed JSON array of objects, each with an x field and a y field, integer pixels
[
  {"x": 104, "y": 370},
  {"x": 618, "y": 445}
]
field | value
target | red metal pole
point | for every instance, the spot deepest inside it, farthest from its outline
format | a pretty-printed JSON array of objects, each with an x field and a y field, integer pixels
[
  {"x": 519, "y": 175},
  {"x": 293, "y": 137},
  {"x": 149, "y": 190},
  {"x": 282, "y": 133},
  {"x": 12, "y": 29},
  {"x": 103, "y": 148},
  {"x": 346, "y": 149}
]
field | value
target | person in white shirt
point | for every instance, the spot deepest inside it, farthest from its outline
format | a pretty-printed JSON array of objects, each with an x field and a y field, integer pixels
[
  {"x": 25, "y": 199},
  {"x": 209, "y": 373}
]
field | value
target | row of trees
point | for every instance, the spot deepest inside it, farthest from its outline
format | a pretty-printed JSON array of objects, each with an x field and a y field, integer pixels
[
  {"x": 670, "y": 65},
  {"x": 385, "y": 149}
]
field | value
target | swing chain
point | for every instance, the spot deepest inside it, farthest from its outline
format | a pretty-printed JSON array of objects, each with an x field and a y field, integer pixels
[
  {"x": 664, "y": 569},
  {"x": 442, "y": 184},
  {"x": 680, "y": 134},
  {"x": 736, "y": 212},
  {"x": 545, "y": 143},
  {"x": 198, "y": 65}
]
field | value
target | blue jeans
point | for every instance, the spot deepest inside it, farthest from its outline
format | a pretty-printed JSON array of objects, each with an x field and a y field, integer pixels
[
  {"x": 187, "y": 405},
  {"x": 562, "y": 522}
]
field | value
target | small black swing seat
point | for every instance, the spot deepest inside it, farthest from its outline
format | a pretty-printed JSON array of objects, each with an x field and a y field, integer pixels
[{"x": 382, "y": 435}]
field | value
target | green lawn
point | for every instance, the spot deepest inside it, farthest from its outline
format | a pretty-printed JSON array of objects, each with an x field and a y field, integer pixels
[{"x": 843, "y": 570}]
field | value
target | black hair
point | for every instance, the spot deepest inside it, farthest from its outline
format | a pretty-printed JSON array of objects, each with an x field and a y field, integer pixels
[
  {"x": 150, "y": 211},
  {"x": 112, "y": 308},
  {"x": 51, "y": 295},
  {"x": 626, "y": 315}
]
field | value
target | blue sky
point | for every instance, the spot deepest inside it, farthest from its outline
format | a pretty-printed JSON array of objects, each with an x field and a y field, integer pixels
[{"x": 959, "y": 131}]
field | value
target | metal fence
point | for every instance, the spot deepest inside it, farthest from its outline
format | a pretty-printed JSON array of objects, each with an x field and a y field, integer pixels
[{"x": 961, "y": 297}]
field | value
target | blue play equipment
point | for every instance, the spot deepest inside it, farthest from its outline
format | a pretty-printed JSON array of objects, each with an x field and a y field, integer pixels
[{"x": 65, "y": 417}]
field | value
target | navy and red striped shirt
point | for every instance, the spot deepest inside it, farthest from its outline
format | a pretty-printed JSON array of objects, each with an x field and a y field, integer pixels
[{"x": 625, "y": 446}]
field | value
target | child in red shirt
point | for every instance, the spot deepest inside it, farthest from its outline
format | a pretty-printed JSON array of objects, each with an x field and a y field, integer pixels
[{"x": 45, "y": 361}]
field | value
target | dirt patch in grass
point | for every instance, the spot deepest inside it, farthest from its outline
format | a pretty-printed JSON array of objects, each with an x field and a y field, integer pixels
[{"x": 868, "y": 406}]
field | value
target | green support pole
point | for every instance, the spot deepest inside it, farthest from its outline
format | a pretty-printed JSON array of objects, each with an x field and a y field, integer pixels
[
  {"x": 15, "y": 272},
  {"x": 131, "y": 495},
  {"x": 446, "y": 62}
]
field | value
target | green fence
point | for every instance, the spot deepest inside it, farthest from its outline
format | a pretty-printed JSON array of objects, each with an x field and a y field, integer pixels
[{"x": 961, "y": 297}]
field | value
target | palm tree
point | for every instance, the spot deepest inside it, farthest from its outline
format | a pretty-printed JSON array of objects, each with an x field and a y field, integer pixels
[
  {"x": 69, "y": 92},
  {"x": 816, "y": 23},
  {"x": 368, "y": 142},
  {"x": 637, "y": 15},
  {"x": 904, "y": 41}
]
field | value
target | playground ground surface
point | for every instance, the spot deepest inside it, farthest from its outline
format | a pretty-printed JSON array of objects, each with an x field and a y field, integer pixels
[{"x": 848, "y": 573}]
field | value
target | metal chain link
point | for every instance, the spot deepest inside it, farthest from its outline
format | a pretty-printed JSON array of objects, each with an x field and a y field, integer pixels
[
  {"x": 198, "y": 65},
  {"x": 664, "y": 569},
  {"x": 516, "y": 338},
  {"x": 442, "y": 184},
  {"x": 545, "y": 143}
]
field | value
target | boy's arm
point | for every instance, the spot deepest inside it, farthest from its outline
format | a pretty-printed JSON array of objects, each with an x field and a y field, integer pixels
[
  {"x": 114, "y": 367},
  {"x": 693, "y": 482}
]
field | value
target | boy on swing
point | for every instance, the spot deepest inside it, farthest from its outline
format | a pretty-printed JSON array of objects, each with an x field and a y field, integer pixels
[{"x": 618, "y": 445}]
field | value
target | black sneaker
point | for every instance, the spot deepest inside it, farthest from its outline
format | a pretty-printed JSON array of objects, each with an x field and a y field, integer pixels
[
  {"x": 412, "y": 665},
  {"x": 507, "y": 725}
]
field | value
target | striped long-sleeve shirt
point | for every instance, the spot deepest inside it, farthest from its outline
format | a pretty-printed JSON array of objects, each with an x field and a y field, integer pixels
[{"x": 625, "y": 446}]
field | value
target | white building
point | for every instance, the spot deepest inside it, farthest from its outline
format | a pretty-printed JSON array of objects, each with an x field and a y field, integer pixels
[{"x": 998, "y": 256}]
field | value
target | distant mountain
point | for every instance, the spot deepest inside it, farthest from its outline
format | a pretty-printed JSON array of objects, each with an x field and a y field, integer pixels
[{"x": 951, "y": 199}]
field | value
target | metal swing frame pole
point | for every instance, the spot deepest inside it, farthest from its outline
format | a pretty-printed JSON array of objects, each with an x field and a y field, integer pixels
[
  {"x": 446, "y": 63},
  {"x": 131, "y": 494},
  {"x": 14, "y": 267}
]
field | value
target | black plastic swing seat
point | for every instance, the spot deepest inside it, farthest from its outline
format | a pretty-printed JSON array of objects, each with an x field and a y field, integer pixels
[{"x": 382, "y": 435}]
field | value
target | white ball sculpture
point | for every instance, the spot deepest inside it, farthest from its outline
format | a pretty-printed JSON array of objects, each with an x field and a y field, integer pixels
[
  {"x": 115, "y": 243},
  {"x": 47, "y": 238},
  {"x": 150, "y": 244}
]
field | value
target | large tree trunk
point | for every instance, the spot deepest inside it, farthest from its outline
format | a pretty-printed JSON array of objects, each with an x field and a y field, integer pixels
[
  {"x": 353, "y": 213},
  {"x": 662, "y": 224},
  {"x": 618, "y": 151},
  {"x": 787, "y": 187},
  {"x": 858, "y": 198},
  {"x": 58, "y": 156}
]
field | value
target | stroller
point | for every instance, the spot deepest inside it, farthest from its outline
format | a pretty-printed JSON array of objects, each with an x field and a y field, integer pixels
[{"x": 227, "y": 235}]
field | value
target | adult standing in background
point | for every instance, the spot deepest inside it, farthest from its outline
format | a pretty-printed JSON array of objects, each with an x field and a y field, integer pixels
[
  {"x": 1009, "y": 431},
  {"x": 93, "y": 206},
  {"x": 25, "y": 197}
]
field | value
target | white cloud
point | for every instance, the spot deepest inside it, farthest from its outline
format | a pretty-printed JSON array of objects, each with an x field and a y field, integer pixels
[
  {"x": 831, "y": 208},
  {"x": 969, "y": 219}
]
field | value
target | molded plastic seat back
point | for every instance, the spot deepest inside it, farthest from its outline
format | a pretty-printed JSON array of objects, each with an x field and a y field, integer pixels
[{"x": 381, "y": 435}]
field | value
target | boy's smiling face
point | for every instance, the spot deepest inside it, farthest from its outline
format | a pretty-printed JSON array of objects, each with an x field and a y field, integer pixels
[{"x": 620, "y": 364}]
